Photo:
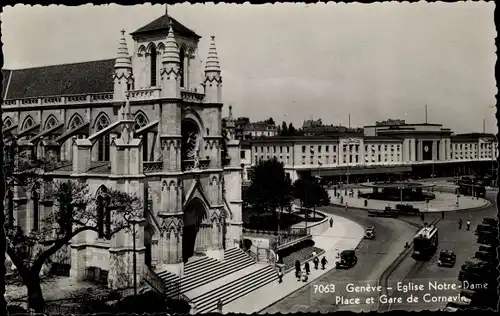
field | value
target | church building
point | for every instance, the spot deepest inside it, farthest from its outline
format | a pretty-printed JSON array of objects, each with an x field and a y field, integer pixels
[{"x": 146, "y": 123}]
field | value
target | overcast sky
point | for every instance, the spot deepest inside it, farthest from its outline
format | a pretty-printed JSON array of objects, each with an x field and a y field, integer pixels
[{"x": 297, "y": 61}]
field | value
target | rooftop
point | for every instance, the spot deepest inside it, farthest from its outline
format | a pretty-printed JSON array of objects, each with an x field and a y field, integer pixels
[
  {"x": 161, "y": 25},
  {"x": 64, "y": 79}
]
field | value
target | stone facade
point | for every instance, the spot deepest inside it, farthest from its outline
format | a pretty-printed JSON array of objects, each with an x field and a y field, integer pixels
[{"x": 150, "y": 130}]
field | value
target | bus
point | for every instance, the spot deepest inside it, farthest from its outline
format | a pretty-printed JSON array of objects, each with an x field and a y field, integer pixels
[{"x": 425, "y": 243}]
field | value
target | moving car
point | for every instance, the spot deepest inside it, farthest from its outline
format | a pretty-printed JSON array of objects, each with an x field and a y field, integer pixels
[
  {"x": 370, "y": 232},
  {"x": 347, "y": 259},
  {"x": 447, "y": 258}
]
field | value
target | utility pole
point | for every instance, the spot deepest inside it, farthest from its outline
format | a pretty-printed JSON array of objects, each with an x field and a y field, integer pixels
[
  {"x": 484, "y": 126},
  {"x": 426, "y": 114},
  {"x": 349, "y": 120}
]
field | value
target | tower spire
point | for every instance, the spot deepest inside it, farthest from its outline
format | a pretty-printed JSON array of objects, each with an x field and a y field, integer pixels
[
  {"x": 122, "y": 56},
  {"x": 212, "y": 58},
  {"x": 171, "y": 54},
  {"x": 166, "y": 13}
]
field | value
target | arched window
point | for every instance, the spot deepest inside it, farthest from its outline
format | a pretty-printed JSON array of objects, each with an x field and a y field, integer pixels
[
  {"x": 75, "y": 121},
  {"x": 36, "y": 199},
  {"x": 103, "y": 213},
  {"x": 104, "y": 142},
  {"x": 153, "y": 60},
  {"x": 182, "y": 54},
  {"x": 140, "y": 120},
  {"x": 50, "y": 123},
  {"x": 28, "y": 122},
  {"x": 7, "y": 122},
  {"x": 10, "y": 209}
]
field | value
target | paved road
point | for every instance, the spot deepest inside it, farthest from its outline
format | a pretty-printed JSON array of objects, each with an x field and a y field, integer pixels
[
  {"x": 450, "y": 237},
  {"x": 374, "y": 256}
]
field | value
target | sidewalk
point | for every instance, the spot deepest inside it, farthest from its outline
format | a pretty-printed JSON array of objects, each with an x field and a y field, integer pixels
[
  {"x": 443, "y": 202},
  {"x": 344, "y": 234}
]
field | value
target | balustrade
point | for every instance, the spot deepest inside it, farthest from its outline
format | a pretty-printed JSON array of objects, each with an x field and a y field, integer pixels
[
  {"x": 134, "y": 95},
  {"x": 192, "y": 96},
  {"x": 155, "y": 281},
  {"x": 152, "y": 166},
  {"x": 189, "y": 164}
]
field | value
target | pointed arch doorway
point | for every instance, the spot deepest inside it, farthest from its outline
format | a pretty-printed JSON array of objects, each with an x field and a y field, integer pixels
[{"x": 195, "y": 233}]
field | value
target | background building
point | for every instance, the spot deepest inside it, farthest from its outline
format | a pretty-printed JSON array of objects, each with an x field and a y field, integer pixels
[{"x": 385, "y": 148}]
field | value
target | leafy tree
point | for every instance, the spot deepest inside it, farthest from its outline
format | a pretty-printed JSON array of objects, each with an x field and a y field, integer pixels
[
  {"x": 74, "y": 211},
  {"x": 310, "y": 192},
  {"x": 284, "y": 129},
  {"x": 291, "y": 130},
  {"x": 270, "y": 121},
  {"x": 270, "y": 188},
  {"x": 278, "y": 130}
]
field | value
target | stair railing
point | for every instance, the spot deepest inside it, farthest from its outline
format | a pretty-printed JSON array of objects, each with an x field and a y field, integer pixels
[{"x": 153, "y": 280}]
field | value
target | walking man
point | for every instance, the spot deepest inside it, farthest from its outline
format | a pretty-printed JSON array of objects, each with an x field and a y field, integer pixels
[
  {"x": 468, "y": 224},
  {"x": 280, "y": 276},
  {"x": 297, "y": 269},
  {"x": 304, "y": 276},
  {"x": 316, "y": 262},
  {"x": 331, "y": 222},
  {"x": 219, "y": 306},
  {"x": 306, "y": 267},
  {"x": 460, "y": 224},
  {"x": 323, "y": 263}
]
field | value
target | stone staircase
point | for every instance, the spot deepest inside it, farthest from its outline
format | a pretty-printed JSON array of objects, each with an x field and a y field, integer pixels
[
  {"x": 233, "y": 290},
  {"x": 205, "y": 270}
]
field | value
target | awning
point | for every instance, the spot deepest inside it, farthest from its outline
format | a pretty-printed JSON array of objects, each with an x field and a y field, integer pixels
[{"x": 359, "y": 171}]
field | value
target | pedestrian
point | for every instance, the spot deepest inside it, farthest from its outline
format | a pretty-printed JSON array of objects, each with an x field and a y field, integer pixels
[
  {"x": 306, "y": 267},
  {"x": 341, "y": 200},
  {"x": 346, "y": 204},
  {"x": 304, "y": 276},
  {"x": 468, "y": 224},
  {"x": 280, "y": 276},
  {"x": 323, "y": 263},
  {"x": 316, "y": 262},
  {"x": 297, "y": 268},
  {"x": 331, "y": 222},
  {"x": 460, "y": 224},
  {"x": 442, "y": 215},
  {"x": 219, "y": 306}
]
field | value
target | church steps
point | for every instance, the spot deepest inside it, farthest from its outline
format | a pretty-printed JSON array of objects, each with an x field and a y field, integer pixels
[
  {"x": 210, "y": 276},
  {"x": 206, "y": 270},
  {"x": 211, "y": 265},
  {"x": 234, "y": 290}
]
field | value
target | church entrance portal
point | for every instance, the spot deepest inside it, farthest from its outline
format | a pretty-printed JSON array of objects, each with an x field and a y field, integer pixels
[{"x": 194, "y": 214}]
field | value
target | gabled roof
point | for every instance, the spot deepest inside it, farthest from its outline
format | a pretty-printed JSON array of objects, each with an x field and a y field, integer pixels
[
  {"x": 66, "y": 79},
  {"x": 161, "y": 25}
]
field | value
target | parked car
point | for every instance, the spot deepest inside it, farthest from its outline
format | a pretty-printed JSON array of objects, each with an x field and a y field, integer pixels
[
  {"x": 490, "y": 221},
  {"x": 484, "y": 256},
  {"x": 370, "y": 232},
  {"x": 407, "y": 209},
  {"x": 447, "y": 258},
  {"x": 456, "y": 306},
  {"x": 347, "y": 259}
]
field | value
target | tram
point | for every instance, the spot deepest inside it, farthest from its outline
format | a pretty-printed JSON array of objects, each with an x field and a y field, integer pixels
[{"x": 425, "y": 243}]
